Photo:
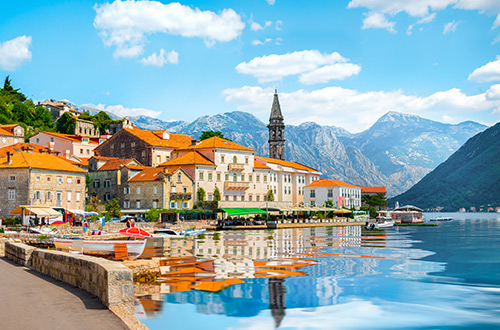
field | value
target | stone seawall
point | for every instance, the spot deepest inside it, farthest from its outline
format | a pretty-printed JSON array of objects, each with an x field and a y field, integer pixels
[{"x": 110, "y": 281}]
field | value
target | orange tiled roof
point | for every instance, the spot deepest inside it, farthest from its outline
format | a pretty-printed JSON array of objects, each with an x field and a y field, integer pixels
[
  {"x": 257, "y": 164},
  {"x": 114, "y": 164},
  {"x": 294, "y": 165},
  {"x": 368, "y": 190},
  {"x": 154, "y": 138},
  {"x": 216, "y": 142},
  {"x": 329, "y": 183},
  {"x": 72, "y": 137},
  {"x": 39, "y": 161},
  {"x": 150, "y": 174},
  {"x": 136, "y": 167},
  {"x": 18, "y": 147},
  {"x": 190, "y": 158},
  {"x": 5, "y": 132},
  {"x": 103, "y": 158},
  {"x": 82, "y": 162}
]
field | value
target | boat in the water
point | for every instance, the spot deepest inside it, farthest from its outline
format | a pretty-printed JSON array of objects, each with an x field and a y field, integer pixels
[
  {"x": 99, "y": 248},
  {"x": 187, "y": 232},
  {"x": 441, "y": 219},
  {"x": 380, "y": 223}
]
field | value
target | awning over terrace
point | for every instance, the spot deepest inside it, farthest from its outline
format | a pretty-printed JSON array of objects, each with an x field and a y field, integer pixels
[{"x": 38, "y": 211}]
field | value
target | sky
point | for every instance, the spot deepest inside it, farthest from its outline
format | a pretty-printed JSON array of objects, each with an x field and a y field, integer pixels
[{"x": 338, "y": 63}]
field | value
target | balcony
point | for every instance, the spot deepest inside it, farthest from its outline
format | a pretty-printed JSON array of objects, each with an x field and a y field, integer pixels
[
  {"x": 230, "y": 185},
  {"x": 236, "y": 167},
  {"x": 180, "y": 196}
]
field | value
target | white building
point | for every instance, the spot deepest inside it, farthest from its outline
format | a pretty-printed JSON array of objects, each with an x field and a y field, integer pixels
[{"x": 340, "y": 193}]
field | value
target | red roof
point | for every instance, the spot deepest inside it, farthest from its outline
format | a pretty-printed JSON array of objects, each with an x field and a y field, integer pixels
[
  {"x": 29, "y": 147},
  {"x": 373, "y": 190},
  {"x": 114, "y": 164},
  {"x": 216, "y": 142},
  {"x": 329, "y": 183},
  {"x": 150, "y": 174},
  {"x": 294, "y": 165},
  {"x": 73, "y": 138},
  {"x": 190, "y": 158},
  {"x": 154, "y": 138}
]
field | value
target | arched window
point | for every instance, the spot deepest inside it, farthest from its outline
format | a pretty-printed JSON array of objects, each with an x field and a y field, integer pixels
[
  {"x": 274, "y": 134},
  {"x": 279, "y": 134},
  {"x": 235, "y": 178},
  {"x": 235, "y": 160}
]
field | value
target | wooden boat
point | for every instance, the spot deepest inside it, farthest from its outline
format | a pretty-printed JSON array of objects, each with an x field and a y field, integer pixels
[{"x": 98, "y": 248}]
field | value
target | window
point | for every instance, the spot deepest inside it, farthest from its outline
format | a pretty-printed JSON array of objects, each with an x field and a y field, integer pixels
[
  {"x": 218, "y": 176},
  {"x": 155, "y": 204},
  {"x": 184, "y": 205},
  {"x": 12, "y": 178},
  {"x": 209, "y": 176},
  {"x": 81, "y": 151},
  {"x": 257, "y": 198},
  {"x": 242, "y": 177},
  {"x": 59, "y": 196},
  {"x": 179, "y": 177},
  {"x": 143, "y": 154},
  {"x": 122, "y": 145},
  {"x": 60, "y": 180},
  {"x": 173, "y": 189},
  {"x": 265, "y": 178},
  {"x": 126, "y": 204},
  {"x": 155, "y": 190},
  {"x": 138, "y": 190},
  {"x": 70, "y": 180},
  {"x": 235, "y": 160},
  {"x": 78, "y": 181},
  {"x": 88, "y": 152},
  {"x": 246, "y": 160},
  {"x": 138, "y": 204},
  {"x": 37, "y": 141},
  {"x": 249, "y": 177},
  {"x": 38, "y": 195},
  {"x": 78, "y": 196},
  {"x": 173, "y": 205},
  {"x": 257, "y": 178},
  {"x": 227, "y": 198},
  {"x": 132, "y": 144},
  {"x": 37, "y": 178},
  {"x": 107, "y": 183},
  {"x": 313, "y": 203},
  {"x": 249, "y": 198},
  {"x": 69, "y": 196},
  {"x": 235, "y": 177},
  {"x": 330, "y": 193},
  {"x": 112, "y": 146},
  {"x": 222, "y": 158},
  {"x": 227, "y": 177},
  {"x": 201, "y": 176},
  {"x": 242, "y": 198},
  {"x": 49, "y": 196},
  {"x": 313, "y": 193},
  {"x": 97, "y": 184},
  {"x": 48, "y": 178},
  {"x": 185, "y": 190},
  {"x": 51, "y": 139},
  {"x": 126, "y": 190},
  {"x": 235, "y": 198},
  {"x": 12, "y": 195},
  {"x": 85, "y": 140}
]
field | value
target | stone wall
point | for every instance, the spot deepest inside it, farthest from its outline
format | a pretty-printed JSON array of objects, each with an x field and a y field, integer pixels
[{"x": 110, "y": 281}]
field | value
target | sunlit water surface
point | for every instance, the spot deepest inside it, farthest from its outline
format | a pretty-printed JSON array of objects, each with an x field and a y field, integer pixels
[{"x": 445, "y": 277}]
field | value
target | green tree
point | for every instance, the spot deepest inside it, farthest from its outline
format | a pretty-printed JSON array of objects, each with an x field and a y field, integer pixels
[
  {"x": 270, "y": 196},
  {"x": 113, "y": 209},
  {"x": 328, "y": 203},
  {"x": 377, "y": 200},
  {"x": 86, "y": 116},
  {"x": 208, "y": 134},
  {"x": 217, "y": 196},
  {"x": 200, "y": 194},
  {"x": 153, "y": 214},
  {"x": 102, "y": 121},
  {"x": 43, "y": 120},
  {"x": 66, "y": 123},
  {"x": 373, "y": 212},
  {"x": 22, "y": 114},
  {"x": 7, "y": 87}
]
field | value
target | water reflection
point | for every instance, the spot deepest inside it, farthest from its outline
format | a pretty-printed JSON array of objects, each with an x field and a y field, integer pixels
[{"x": 309, "y": 278}]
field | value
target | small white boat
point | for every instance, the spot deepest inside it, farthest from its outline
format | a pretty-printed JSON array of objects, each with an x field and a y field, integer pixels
[
  {"x": 441, "y": 219},
  {"x": 167, "y": 232},
  {"x": 187, "y": 232},
  {"x": 101, "y": 248},
  {"x": 381, "y": 223}
]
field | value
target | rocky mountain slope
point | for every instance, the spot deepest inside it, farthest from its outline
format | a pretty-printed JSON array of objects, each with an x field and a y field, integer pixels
[
  {"x": 469, "y": 177},
  {"x": 397, "y": 151}
]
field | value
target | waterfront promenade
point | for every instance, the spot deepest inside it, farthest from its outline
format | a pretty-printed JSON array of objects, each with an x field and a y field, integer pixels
[{"x": 31, "y": 300}]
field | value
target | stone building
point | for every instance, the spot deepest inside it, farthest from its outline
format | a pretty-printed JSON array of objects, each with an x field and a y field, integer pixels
[
  {"x": 341, "y": 194},
  {"x": 158, "y": 187},
  {"x": 276, "y": 130},
  {"x": 11, "y": 134},
  {"x": 40, "y": 180},
  {"x": 86, "y": 128},
  {"x": 116, "y": 125},
  {"x": 106, "y": 181},
  {"x": 151, "y": 148}
]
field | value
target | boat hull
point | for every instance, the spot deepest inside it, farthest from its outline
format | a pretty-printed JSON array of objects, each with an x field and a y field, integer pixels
[{"x": 104, "y": 249}]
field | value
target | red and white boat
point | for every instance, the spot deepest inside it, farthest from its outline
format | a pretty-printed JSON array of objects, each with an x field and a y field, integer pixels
[{"x": 104, "y": 249}]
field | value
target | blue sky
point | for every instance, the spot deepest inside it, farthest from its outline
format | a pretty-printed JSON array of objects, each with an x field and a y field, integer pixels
[{"x": 340, "y": 63}]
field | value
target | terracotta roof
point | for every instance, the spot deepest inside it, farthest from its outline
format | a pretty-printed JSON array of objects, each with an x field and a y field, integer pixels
[
  {"x": 294, "y": 165},
  {"x": 136, "y": 167},
  {"x": 114, "y": 164},
  {"x": 18, "y": 147},
  {"x": 216, "y": 142},
  {"x": 257, "y": 164},
  {"x": 190, "y": 158},
  {"x": 154, "y": 138},
  {"x": 72, "y": 137},
  {"x": 368, "y": 190},
  {"x": 150, "y": 174},
  {"x": 329, "y": 183},
  {"x": 104, "y": 158},
  {"x": 7, "y": 129},
  {"x": 39, "y": 161},
  {"x": 82, "y": 162}
]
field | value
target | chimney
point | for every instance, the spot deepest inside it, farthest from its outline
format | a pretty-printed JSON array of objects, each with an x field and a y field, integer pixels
[
  {"x": 51, "y": 146},
  {"x": 67, "y": 154},
  {"x": 9, "y": 160},
  {"x": 194, "y": 142}
]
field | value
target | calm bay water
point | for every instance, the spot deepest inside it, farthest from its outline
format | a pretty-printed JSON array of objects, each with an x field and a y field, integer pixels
[{"x": 445, "y": 277}]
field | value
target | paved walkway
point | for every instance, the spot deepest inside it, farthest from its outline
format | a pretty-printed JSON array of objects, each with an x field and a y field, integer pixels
[{"x": 31, "y": 300}]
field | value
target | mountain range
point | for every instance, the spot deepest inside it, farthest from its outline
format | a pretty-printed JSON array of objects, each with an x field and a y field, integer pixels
[
  {"x": 469, "y": 177},
  {"x": 396, "y": 152}
]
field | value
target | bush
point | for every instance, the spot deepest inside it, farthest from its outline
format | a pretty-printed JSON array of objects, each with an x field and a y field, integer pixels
[
  {"x": 12, "y": 221},
  {"x": 2, "y": 230}
]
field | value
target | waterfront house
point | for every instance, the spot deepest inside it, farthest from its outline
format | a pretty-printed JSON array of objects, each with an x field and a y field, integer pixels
[
  {"x": 36, "y": 179},
  {"x": 341, "y": 194},
  {"x": 11, "y": 134},
  {"x": 407, "y": 214},
  {"x": 151, "y": 148}
]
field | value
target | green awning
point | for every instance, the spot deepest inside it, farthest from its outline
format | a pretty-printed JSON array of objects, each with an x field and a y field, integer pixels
[{"x": 241, "y": 211}]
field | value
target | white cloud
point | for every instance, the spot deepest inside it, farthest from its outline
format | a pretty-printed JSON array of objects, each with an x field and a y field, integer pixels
[
  {"x": 125, "y": 24},
  {"x": 258, "y": 42},
  {"x": 423, "y": 8},
  {"x": 488, "y": 72},
  {"x": 13, "y": 53},
  {"x": 122, "y": 111},
  {"x": 409, "y": 31},
  {"x": 271, "y": 2},
  {"x": 279, "y": 41},
  {"x": 304, "y": 63},
  {"x": 161, "y": 59},
  {"x": 279, "y": 25},
  {"x": 450, "y": 27},
  {"x": 356, "y": 111},
  {"x": 379, "y": 21},
  {"x": 254, "y": 26}
]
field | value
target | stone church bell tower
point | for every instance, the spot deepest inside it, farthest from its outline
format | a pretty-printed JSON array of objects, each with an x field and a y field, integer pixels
[{"x": 276, "y": 131}]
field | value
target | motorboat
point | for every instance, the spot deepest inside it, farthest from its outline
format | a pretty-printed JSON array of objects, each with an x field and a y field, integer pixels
[
  {"x": 100, "y": 248},
  {"x": 441, "y": 219},
  {"x": 380, "y": 223},
  {"x": 193, "y": 232},
  {"x": 187, "y": 232}
]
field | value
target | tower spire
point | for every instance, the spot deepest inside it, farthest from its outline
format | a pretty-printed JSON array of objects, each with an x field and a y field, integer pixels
[{"x": 276, "y": 130}]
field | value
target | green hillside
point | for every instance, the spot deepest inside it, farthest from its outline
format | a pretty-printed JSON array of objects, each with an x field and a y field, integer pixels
[{"x": 470, "y": 177}]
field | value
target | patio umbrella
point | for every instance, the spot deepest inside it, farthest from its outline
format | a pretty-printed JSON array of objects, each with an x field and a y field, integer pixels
[
  {"x": 342, "y": 211},
  {"x": 135, "y": 232}
]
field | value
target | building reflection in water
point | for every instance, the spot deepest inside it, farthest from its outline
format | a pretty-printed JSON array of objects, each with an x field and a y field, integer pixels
[{"x": 247, "y": 270}]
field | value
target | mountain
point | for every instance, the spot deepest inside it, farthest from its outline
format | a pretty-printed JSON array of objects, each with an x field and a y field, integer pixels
[
  {"x": 396, "y": 152},
  {"x": 469, "y": 177}
]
